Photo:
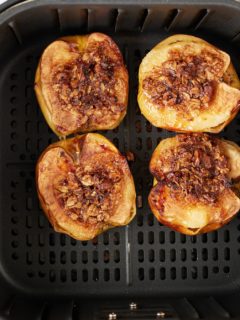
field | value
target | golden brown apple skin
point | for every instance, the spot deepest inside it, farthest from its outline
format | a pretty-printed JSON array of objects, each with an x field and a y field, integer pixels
[
  {"x": 199, "y": 212},
  {"x": 81, "y": 84},
  {"x": 85, "y": 186},
  {"x": 188, "y": 85}
]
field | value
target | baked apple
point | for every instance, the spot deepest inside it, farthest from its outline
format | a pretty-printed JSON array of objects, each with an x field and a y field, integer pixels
[
  {"x": 85, "y": 186},
  {"x": 81, "y": 84},
  {"x": 188, "y": 85},
  {"x": 196, "y": 187}
]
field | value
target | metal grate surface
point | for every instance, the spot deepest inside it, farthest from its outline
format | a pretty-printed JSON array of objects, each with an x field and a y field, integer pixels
[{"x": 142, "y": 258}]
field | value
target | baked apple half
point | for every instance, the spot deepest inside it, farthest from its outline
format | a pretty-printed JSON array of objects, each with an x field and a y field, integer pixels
[
  {"x": 196, "y": 187},
  {"x": 188, "y": 85},
  {"x": 85, "y": 186},
  {"x": 81, "y": 84}
]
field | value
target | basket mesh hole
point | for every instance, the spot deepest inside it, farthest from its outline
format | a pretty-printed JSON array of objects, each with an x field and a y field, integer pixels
[
  {"x": 95, "y": 256},
  {"x": 52, "y": 257},
  {"x": 14, "y": 231},
  {"x": 151, "y": 237},
  {"x": 148, "y": 126},
  {"x": 95, "y": 275},
  {"x": 139, "y": 144},
  {"x": 183, "y": 238},
  {"x": 52, "y": 239},
  {"x": 63, "y": 257},
  {"x": 15, "y": 256},
  {"x": 227, "y": 254},
  {"x": 29, "y": 240},
  {"x": 215, "y": 254},
  {"x": 194, "y": 255},
  {"x": 63, "y": 275},
  {"x": 172, "y": 255},
  {"x": 162, "y": 255},
  {"x": 173, "y": 273},
  {"x": 52, "y": 276},
  {"x": 14, "y": 244},
  {"x": 116, "y": 256},
  {"x": 172, "y": 237},
  {"x": 74, "y": 275},
  {"x": 106, "y": 238},
  {"x": 161, "y": 237},
  {"x": 140, "y": 255},
  {"x": 194, "y": 272},
  {"x": 73, "y": 257},
  {"x": 226, "y": 269},
  {"x": 106, "y": 256},
  {"x": 205, "y": 254},
  {"x": 204, "y": 237},
  {"x": 41, "y": 240},
  {"x": 138, "y": 126},
  {"x": 183, "y": 254},
  {"x": 29, "y": 258},
  {"x": 149, "y": 143},
  {"x": 106, "y": 275},
  {"x": 151, "y": 274},
  {"x": 84, "y": 257},
  {"x": 184, "y": 273},
  {"x": 140, "y": 238},
  {"x": 29, "y": 222},
  {"x": 162, "y": 273},
  {"x": 62, "y": 240},
  {"x": 141, "y": 274},
  {"x": 14, "y": 219},
  {"x": 150, "y": 220},
  {"x": 117, "y": 274},
  {"x": 205, "y": 272},
  {"x": 151, "y": 255},
  {"x": 226, "y": 236},
  {"x": 116, "y": 238},
  {"x": 30, "y": 274},
  {"x": 84, "y": 275}
]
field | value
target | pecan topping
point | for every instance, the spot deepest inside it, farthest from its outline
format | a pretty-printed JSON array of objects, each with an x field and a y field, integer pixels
[
  {"x": 185, "y": 81},
  {"x": 90, "y": 192},
  {"x": 88, "y": 85},
  {"x": 198, "y": 169}
]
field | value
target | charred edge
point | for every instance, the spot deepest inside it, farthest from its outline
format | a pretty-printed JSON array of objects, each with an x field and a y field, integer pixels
[
  {"x": 172, "y": 19},
  {"x": 143, "y": 19},
  {"x": 15, "y": 30},
  {"x": 200, "y": 19}
]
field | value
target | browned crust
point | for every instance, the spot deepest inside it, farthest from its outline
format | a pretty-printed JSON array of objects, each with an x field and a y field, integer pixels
[
  {"x": 214, "y": 202},
  {"x": 82, "y": 84},
  {"x": 188, "y": 85},
  {"x": 80, "y": 151}
]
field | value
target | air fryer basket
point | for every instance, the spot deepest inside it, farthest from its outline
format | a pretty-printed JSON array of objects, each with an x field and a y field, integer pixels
[{"x": 161, "y": 271}]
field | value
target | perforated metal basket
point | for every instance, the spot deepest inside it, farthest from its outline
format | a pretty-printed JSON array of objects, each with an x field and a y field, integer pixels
[{"x": 159, "y": 271}]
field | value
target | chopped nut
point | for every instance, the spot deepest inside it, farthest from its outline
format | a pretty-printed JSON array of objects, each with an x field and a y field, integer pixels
[
  {"x": 198, "y": 168},
  {"x": 87, "y": 180},
  {"x": 91, "y": 192},
  {"x": 71, "y": 201},
  {"x": 89, "y": 85},
  {"x": 185, "y": 81}
]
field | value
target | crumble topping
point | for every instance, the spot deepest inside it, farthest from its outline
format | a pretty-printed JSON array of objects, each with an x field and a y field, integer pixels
[{"x": 185, "y": 81}]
